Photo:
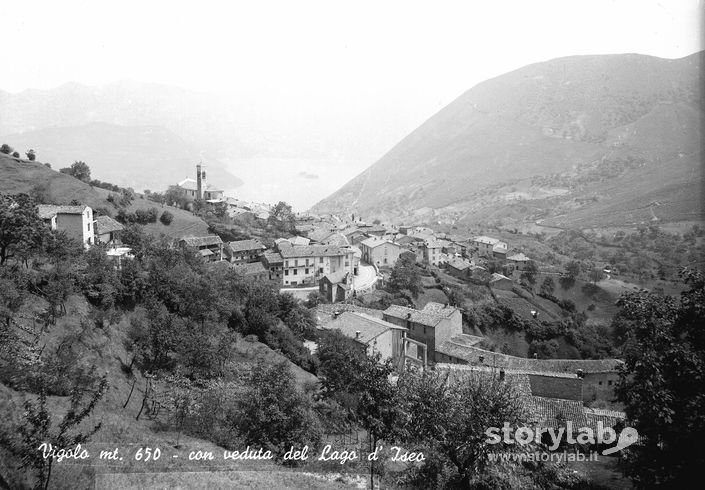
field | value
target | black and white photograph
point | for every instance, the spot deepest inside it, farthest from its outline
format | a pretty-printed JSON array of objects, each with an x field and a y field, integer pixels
[{"x": 393, "y": 244}]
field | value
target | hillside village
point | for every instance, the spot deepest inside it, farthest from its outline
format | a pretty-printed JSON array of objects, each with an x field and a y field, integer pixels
[
  {"x": 228, "y": 323},
  {"x": 339, "y": 259}
]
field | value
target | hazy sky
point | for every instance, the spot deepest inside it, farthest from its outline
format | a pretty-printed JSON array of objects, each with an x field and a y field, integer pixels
[
  {"x": 424, "y": 53},
  {"x": 439, "y": 47}
]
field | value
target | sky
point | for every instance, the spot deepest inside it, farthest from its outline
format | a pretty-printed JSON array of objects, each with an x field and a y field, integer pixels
[{"x": 421, "y": 54}]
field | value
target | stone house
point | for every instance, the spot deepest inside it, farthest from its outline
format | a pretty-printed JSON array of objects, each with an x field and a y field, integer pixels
[
  {"x": 429, "y": 327},
  {"x": 459, "y": 268},
  {"x": 274, "y": 263},
  {"x": 380, "y": 252},
  {"x": 209, "y": 247},
  {"x": 518, "y": 262},
  {"x": 76, "y": 221},
  {"x": 485, "y": 245},
  {"x": 244, "y": 251},
  {"x": 107, "y": 230},
  {"x": 336, "y": 287},
  {"x": 374, "y": 336},
  {"x": 431, "y": 251},
  {"x": 305, "y": 265},
  {"x": 498, "y": 281}
]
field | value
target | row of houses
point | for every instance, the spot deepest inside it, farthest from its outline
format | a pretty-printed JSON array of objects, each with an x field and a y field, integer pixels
[
  {"x": 434, "y": 336},
  {"x": 291, "y": 263},
  {"x": 552, "y": 391}
]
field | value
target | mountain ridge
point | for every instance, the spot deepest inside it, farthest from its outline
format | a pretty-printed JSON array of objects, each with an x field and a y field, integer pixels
[{"x": 546, "y": 118}]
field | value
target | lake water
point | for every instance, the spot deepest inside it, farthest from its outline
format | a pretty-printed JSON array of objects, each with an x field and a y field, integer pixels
[{"x": 300, "y": 182}]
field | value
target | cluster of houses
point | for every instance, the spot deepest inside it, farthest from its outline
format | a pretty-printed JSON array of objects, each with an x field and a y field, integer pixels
[
  {"x": 327, "y": 253},
  {"x": 553, "y": 391},
  {"x": 80, "y": 223}
]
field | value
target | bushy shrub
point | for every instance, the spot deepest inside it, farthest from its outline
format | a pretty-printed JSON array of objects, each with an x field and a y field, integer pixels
[{"x": 166, "y": 218}]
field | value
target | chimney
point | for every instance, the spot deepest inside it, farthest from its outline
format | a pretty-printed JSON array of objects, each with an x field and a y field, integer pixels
[
  {"x": 357, "y": 335},
  {"x": 580, "y": 373},
  {"x": 501, "y": 374}
]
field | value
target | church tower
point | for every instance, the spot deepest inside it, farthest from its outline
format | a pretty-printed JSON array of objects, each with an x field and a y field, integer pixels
[{"x": 200, "y": 181}]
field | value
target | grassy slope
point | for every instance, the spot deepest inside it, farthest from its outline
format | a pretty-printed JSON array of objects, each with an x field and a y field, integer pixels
[
  {"x": 18, "y": 175},
  {"x": 104, "y": 349}
]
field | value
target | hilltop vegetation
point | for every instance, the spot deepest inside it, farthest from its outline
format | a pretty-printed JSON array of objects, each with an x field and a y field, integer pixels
[{"x": 48, "y": 186}]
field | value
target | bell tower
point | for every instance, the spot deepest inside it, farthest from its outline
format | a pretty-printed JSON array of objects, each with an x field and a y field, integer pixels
[{"x": 200, "y": 180}]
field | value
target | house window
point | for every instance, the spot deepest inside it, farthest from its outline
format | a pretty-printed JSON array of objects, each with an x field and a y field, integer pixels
[
  {"x": 609, "y": 382},
  {"x": 306, "y": 270},
  {"x": 296, "y": 272},
  {"x": 320, "y": 261},
  {"x": 286, "y": 264},
  {"x": 296, "y": 263},
  {"x": 320, "y": 270},
  {"x": 286, "y": 272},
  {"x": 89, "y": 227}
]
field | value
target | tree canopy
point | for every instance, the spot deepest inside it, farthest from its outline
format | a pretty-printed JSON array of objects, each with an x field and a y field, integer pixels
[
  {"x": 282, "y": 217},
  {"x": 405, "y": 274},
  {"x": 79, "y": 170},
  {"x": 662, "y": 383},
  {"x": 21, "y": 228}
]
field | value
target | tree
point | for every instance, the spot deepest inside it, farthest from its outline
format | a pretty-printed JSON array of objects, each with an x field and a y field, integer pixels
[
  {"x": 16, "y": 154},
  {"x": 166, "y": 218},
  {"x": 6, "y": 149},
  {"x": 529, "y": 274},
  {"x": 544, "y": 349},
  {"x": 282, "y": 217},
  {"x": 275, "y": 415},
  {"x": 572, "y": 268},
  {"x": 405, "y": 274},
  {"x": 31, "y": 156},
  {"x": 36, "y": 429},
  {"x": 662, "y": 383},
  {"x": 548, "y": 286},
  {"x": 596, "y": 275},
  {"x": 456, "y": 296},
  {"x": 360, "y": 383},
  {"x": 448, "y": 420},
  {"x": 12, "y": 293},
  {"x": 21, "y": 228},
  {"x": 79, "y": 170}
]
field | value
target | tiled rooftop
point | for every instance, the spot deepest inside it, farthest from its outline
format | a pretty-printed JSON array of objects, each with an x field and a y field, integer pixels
[
  {"x": 243, "y": 245},
  {"x": 106, "y": 224},
  {"x": 486, "y": 240},
  {"x": 349, "y": 323},
  {"x": 46, "y": 211},
  {"x": 201, "y": 241},
  {"x": 314, "y": 251},
  {"x": 430, "y": 316}
]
